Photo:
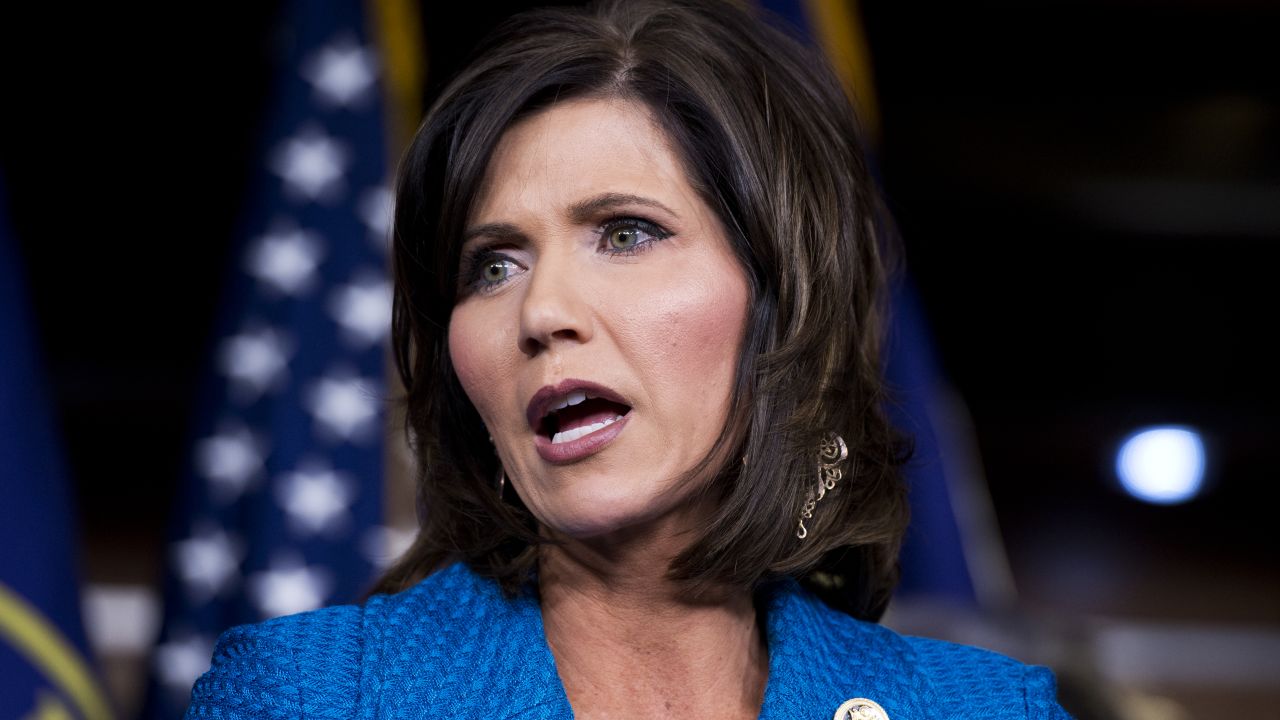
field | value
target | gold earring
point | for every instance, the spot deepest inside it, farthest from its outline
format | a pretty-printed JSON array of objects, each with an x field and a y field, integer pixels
[{"x": 832, "y": 453}]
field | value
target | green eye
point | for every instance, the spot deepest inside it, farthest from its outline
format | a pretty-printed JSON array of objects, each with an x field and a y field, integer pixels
[
  {"x": 495, "y": 271},
  {"x": 627, "y": 236},
  {"x": 623, "y": 238},
  {"x": 488, "y": 271}
]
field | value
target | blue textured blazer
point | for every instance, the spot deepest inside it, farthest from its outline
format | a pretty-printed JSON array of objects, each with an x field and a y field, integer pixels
[{"x": 454, "y": 647}]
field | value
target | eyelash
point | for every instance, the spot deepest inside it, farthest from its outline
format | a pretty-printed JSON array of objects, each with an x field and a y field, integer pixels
[
  {"x": 652, "y": 229},
  {"x": 479, "y": 258}
]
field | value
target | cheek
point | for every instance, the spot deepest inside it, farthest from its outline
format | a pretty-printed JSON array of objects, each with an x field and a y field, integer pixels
[
  {"x": 694, "y": 336},
  {"x": 474, "y": 351}
]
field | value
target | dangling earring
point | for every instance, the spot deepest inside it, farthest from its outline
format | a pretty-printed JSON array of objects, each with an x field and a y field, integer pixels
[{"x": 832, "y": 453}]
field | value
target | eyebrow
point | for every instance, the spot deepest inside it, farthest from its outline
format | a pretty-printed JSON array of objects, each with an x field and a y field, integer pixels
[
  {"x": 586, "y": 210},
  {"x": 579, "y": 212}
]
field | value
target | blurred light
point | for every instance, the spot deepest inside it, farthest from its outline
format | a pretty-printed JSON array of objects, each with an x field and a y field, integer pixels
[
  {"x": 121, "y": 619},
  {"x": 1162, "y": 465}
]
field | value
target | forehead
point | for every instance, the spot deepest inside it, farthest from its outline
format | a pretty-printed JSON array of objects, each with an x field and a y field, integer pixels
[{"x": 579, "y": 148}]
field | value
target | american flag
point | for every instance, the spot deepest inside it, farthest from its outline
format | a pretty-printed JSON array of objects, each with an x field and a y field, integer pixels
[{"x": 281, "y": 510}]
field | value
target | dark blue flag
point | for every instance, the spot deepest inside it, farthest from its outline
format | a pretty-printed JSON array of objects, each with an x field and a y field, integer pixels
[
  {"x": 44, "y": 667},
  {"x": 281, "y": 512}
]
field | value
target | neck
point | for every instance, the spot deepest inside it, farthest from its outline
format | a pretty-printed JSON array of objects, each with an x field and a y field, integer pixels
[{"x": 628, "y": 641}]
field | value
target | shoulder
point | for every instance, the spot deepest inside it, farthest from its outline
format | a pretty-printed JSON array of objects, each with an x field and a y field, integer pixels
[
  {"x": 322, "y": 664},
  {"x": 287, "y": 667},
  {"x": 1003, "y": 686},
  {"x": 910, "y": 677}
]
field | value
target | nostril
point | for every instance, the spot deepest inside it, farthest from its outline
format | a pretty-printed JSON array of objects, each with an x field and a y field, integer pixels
[{"x": 530, "y": 346}]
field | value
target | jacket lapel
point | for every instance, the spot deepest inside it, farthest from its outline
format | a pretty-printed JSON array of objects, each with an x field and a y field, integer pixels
[{"x": 819, "y": 658}]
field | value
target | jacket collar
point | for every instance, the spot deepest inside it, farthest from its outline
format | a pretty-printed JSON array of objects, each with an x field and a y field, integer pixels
[{"x": 818, "y": 657}]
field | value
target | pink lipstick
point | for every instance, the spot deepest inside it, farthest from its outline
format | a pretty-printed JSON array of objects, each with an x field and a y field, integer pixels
[{"x": 575, "y": 419}]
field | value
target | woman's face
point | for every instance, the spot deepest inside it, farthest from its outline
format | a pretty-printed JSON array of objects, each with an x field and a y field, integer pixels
[{"x": 595, "y": 280}]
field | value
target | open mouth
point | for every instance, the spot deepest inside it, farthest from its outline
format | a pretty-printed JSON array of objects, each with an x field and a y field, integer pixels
[{"x": 577, "y": 415}]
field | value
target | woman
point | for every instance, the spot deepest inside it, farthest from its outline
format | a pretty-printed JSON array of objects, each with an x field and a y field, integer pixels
[{"x": 636, "y": 314}]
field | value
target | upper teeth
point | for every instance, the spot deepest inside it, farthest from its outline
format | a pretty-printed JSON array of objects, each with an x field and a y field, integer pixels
[{"x": 572, "y": 398}]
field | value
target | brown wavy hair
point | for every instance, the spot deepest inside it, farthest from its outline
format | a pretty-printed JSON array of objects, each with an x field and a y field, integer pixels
[{"x": 769, "y": 140}]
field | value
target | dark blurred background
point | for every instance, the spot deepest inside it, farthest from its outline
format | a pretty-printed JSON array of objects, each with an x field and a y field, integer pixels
[{"x": 1089, "y": 194}]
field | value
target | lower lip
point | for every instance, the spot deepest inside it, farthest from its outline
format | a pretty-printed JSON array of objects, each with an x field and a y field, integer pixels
[{"x": 585, "y": 446}]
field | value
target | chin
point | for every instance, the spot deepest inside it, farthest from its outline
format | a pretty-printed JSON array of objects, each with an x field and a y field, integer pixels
[{"x": 603, "y": 511}]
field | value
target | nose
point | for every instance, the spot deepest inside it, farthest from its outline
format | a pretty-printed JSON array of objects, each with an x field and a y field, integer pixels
[{"x": 553, "y": 310}]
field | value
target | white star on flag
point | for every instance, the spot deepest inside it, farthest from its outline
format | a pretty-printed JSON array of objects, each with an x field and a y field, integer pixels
[
  {"x": 289, "y": 587},
  {"x": 182, "y": 660},
  {"x": 255, "y": 361},
  {"x": 286, "y": 461},
  {"x": 342, "y": 72},
  {"x": 312, "y": 165},
  {"x": 377, "y": 207},
  {"x": 363, "y": 308},
  {"x": 383, "y": 545},
  {"x": 207, "y": 562},
  {"x": 315, "y": 498},
  {"x": 286, "y": 260},
  {"x": 344, "y": 407},
  {"x": 230, "y": 460}
]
